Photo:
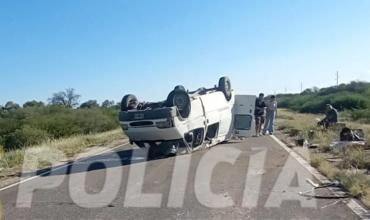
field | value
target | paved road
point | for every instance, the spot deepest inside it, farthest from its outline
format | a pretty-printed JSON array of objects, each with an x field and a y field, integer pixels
[{"x": 228, "y": 181}]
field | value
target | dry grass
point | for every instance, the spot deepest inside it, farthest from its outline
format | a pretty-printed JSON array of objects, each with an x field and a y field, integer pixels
[
  {"x": 287, "y": 120},
  {"x": 13, "y": 159},
  {"x": 366, "y": 197},
  {"x": 355, "y": 182},
  {"x": 301, "y": 124},
  {"x": 324, "y": 166},
  {"x": 74, "y": 145},
  {"x": 353, "y": 158},
  {"x": 324, "y": 139},
  {"x": 297, "y": 124}
]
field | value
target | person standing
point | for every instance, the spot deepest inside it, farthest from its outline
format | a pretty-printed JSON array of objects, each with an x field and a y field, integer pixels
[
  {"x": 271, "y": 110},
  {"x": 259, "y": 113}
]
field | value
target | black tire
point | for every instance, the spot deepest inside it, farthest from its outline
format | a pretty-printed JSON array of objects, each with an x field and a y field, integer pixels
[
  {"x": 180, "y": 88},
  {"x": 224, "y": 85},
  {"x": 140, "y": 144},
  {"x": 129, "y": 102},
  {"x": 186, "y": 108},
  {"x": 153, "y": 151}
]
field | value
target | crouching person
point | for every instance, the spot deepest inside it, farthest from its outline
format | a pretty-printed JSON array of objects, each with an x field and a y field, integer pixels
[{"x": 331, "y": 117}]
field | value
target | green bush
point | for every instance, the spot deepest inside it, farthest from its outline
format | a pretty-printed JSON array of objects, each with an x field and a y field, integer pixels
[
  {"x": 32, "y": 125},
  {"x": 361, "y": 115},
  {"x": 94, "y": 120},
  {"x": 25, "y": 136},
  {"x": 353, "y": 97}
]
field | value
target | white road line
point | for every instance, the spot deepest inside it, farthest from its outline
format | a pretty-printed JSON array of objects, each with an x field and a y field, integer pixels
[
  {"x": 58, "y": 168},
  {"x": 354, "y": 205}
]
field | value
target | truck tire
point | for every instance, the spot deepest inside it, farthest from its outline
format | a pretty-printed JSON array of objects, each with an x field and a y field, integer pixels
[
  {"x": 154, "y": 151},
  {"x": 181, "y": 100},
  {"x": 140, "y": 144},
  {"x": 129, "y": 102},
  {"x": 224, "y": 85},
  {"x": 180, "y": 88}
]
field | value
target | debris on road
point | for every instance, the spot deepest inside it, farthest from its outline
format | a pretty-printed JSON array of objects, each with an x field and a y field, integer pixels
[{"x": 335, "y": 195}]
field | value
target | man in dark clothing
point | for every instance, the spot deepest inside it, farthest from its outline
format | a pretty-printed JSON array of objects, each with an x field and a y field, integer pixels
[
  {"x": 331, "y": 117},
  {"x": 259, "y": 113}
]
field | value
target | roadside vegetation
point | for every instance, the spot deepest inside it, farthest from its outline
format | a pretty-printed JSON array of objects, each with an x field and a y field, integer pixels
[
  {"x": 62, "y": 123},
  {"x": 62, "y": 117},
  {"x": 298, "y": 119},
  {"x": 11, "y": 161},
  {"x": 351, "y": 99},
  {"x": 349, "y": 166}
]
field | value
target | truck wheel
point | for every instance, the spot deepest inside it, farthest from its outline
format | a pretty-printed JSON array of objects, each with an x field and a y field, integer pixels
[
  {"x": 152, "y": 153},
  {"x": 140, "y": 144},
  {"x": 224, "y": 85},
  {"x": 180, "y": 88},
  {"x": 129, "y": 102},
  {"x": 181, "y": 100}
]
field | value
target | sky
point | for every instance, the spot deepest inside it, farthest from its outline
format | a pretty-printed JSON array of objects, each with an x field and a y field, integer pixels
[{"x": 106, "y": 49}]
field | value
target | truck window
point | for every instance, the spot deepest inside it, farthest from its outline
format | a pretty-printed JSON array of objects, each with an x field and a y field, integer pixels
[{"x": 243, "y": 122}]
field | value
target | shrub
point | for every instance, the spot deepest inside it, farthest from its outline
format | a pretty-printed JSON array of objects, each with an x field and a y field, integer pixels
[
  {"x": 90, "y": 104},
  {"x": 361, "y": 115},
  {"x": 316, "y": 160},
  {"x": 355, "y": 182},
  {"x": 324, "y": 138},
  {"x": 324, "y": 166},
  {"x": 25, "y": 136},
  {"x": 1, "y": 151},
  {"x": 93, "y": 120},
  {"x": 354, "y": 157},
  {"x": 352, "y": 97},
  {"x": 32, "y": 125}
]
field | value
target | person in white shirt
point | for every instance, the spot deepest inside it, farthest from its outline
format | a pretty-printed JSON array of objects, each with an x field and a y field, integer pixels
[{"x": 271, "y": 110}]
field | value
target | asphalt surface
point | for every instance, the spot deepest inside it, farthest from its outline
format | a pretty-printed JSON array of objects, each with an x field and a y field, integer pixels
[{"x": 228, "y": 182}]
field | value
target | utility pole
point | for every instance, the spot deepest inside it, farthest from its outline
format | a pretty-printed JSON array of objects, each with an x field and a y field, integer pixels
[
  {"x": 301, "y": 87},
  {"x": 337, "y": 78}
]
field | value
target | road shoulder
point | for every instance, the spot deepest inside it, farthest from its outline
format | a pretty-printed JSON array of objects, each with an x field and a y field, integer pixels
[{"x": 353, "y": 204}]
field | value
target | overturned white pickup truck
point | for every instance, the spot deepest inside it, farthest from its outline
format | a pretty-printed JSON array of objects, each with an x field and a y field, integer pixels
[{"x": 188, "y": 121}]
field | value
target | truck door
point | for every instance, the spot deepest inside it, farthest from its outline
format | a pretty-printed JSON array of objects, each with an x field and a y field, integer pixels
[{"x": 243, "y": 115}]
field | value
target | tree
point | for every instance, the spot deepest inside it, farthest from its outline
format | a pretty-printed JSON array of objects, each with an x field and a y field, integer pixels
[
  {"x": 66, "y": 98},
  {"x": 90, "y": 104},
  {"x": 315, "y": 89},
  {"x": 33, "y": 103},
  {"x": 107, "y": 104},
  {"x": 117, "y": 106},
  {"x": 2, "y": 110},
  {"x": 11, "y": 106}
]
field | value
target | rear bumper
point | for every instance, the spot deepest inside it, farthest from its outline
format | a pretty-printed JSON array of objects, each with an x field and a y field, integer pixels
[
  {"x": 153, "y": 133},
  {"x": 142, "y": 126}
]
